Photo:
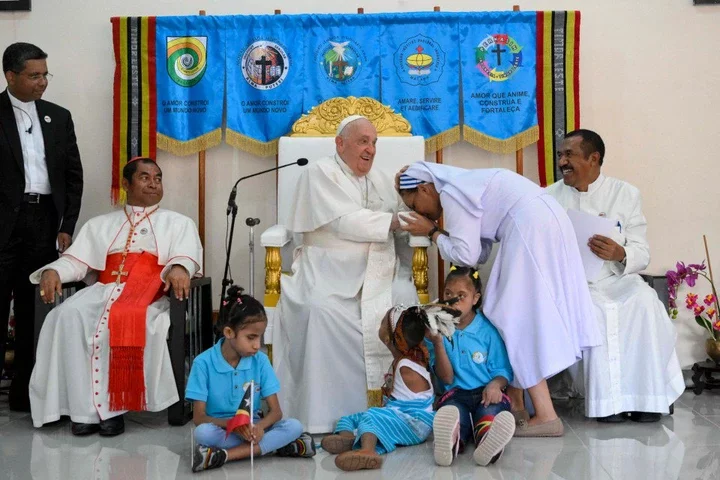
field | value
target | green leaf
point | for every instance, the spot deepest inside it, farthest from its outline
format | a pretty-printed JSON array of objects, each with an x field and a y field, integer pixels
[{"x": 703, "y": 322}]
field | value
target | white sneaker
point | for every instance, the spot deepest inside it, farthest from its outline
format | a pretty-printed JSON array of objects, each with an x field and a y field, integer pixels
[
  {"x": 492, "y": 444},
  {"x": 446, "y": 430}
]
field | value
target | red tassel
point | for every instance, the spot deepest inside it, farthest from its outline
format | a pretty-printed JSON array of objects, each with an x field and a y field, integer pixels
[{"x": 126, "y": 384}]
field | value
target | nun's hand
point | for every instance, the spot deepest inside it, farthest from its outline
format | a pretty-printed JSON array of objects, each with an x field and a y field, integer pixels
[
  {"x": 397, "y": 177},
  {"x": 417, "y": 224}
]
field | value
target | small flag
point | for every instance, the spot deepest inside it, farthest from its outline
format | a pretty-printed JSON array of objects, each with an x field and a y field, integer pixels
[{"x": 242, "y": 416}]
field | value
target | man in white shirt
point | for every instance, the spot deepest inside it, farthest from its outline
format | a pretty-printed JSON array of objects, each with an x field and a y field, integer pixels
[
  {"x": 41, "y": 185},
  {"x": 346, "y": 275},
  {"x": 635, "y": 374}
]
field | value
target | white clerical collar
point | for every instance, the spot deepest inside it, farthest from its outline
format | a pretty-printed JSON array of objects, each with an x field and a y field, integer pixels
[
  {"x": 19, "y": 103},
  {"x": 345, "y": 168},
  {"x": 593, "y": 187},
  {"x": 135, "y": 209}
]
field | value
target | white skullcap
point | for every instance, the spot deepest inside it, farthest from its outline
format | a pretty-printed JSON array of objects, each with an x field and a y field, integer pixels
[{"x": 347, "y": 120}]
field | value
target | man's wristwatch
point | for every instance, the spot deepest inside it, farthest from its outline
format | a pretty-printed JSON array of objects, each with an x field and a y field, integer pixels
[{"x": 432, "y": 231}]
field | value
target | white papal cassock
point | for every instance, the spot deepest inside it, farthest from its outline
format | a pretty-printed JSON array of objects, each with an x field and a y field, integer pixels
[
  {"x": 71, "y": 371},
  {"x": 345, "y": 276},
  {"x": 637, "y": 369},
  {"x": 536, "y": 294}
]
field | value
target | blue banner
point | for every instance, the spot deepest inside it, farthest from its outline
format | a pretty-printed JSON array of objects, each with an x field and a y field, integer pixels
[
  {"x": 420, "y": 70},
  {"x": 498, "y": 74},
  {"x": 341, "y": 57},
  {"x": 190, "y": 70},
  {"x": 264, "y": 80}
]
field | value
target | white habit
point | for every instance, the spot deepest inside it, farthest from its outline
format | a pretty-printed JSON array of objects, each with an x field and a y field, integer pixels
[
  {"x": 637, "y": 370},
  {"x": 71, "y": 371},
  {"x": 345, "y": 276},
  {"x": 536, "y": 295}
]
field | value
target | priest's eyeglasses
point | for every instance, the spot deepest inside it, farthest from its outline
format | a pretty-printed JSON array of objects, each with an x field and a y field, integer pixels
[{"x": 36, "y": 77}]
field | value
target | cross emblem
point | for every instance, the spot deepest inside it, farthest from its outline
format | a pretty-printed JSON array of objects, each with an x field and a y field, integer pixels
[
  {"x": 341, "y": 64},
  {"x": 120, "y": 273},
  {"x": 263, "y": 63}
]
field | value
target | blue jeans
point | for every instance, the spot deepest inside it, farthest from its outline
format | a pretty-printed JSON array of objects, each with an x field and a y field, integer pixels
[
  {"x": 472, "y": 411},
  {"x": 278, "y": 435}
]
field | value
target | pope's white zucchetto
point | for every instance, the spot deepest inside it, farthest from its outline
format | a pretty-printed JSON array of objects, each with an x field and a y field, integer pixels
[{"x": 348, "y": 120}]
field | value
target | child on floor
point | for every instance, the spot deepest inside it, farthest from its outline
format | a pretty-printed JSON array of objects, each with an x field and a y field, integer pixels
[
  {"x": 474, "y": 369},
  {"x": 406, "y": 417},
  {"x": 217, "y": 383}
]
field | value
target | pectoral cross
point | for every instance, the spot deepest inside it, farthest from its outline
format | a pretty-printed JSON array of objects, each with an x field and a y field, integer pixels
[{"x": 120, "y": 272}]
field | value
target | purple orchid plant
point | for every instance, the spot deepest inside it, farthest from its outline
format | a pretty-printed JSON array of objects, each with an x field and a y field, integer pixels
[{"x": 705, "y": 311}]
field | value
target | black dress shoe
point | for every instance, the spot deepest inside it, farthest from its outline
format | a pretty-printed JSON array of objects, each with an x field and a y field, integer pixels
[
  {"x": 81, "y": 429},
  {"x": 645, "y": 417},
  {"x": 617, "y": 418},
  {"x": 112, "y": 426}
]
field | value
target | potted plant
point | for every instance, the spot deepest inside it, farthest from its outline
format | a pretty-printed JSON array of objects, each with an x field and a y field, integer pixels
[{"x": 705, "y": 309}]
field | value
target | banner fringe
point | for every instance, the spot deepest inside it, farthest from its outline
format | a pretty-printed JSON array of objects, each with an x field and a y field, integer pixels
[
  {"x": 250, "y": 145},
  {"x": 442, "y": 140},
  {"x": 496, "y": 145},
  {"x": 180, "y": 148}
]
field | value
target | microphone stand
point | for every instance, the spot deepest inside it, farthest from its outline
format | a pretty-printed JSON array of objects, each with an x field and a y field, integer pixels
[
  {"x": 232, "y": 210},
  {"x": 252, "y": 222}
]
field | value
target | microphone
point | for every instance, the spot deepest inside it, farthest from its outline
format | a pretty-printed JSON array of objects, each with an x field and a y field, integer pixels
[
  {"x": 251, "y": 222},
  {"x": 29, "y": 130},
  {"x": 233, "y": 194}
]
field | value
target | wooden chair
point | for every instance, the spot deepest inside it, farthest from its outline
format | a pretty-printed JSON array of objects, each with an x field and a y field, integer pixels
[{"x": 190, "y": 333}]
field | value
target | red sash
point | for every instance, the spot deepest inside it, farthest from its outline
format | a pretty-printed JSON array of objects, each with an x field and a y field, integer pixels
[{"x": 143, "y": 286}]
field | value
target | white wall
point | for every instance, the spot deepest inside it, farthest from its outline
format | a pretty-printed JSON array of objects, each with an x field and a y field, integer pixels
[{"x": 648, "y": 68}]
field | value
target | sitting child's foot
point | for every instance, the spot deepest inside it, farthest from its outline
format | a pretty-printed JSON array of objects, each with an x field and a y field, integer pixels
[
  {"x": 446, "y": 430},
  {"x": 358, "y": 460},
  {"x": 304, "y": 446},
  {"x": 336, "y": 444},
  {"x": 205, "y": 458},
  {"x": 493, "y": 442}
]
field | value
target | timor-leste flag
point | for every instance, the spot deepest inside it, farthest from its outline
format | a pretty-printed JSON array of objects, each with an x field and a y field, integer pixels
[{"x": 242, "y": 416}]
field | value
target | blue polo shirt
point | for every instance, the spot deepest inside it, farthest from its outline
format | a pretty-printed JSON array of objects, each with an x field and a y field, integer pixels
[
  {"x": 477, "y": 355},
  {"x": 214, "y": 381}
]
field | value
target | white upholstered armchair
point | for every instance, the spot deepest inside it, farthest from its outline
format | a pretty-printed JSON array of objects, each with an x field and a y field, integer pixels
[{"x": 313, "y": 137}]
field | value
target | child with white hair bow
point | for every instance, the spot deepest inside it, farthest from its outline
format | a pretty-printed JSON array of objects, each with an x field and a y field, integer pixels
[{"x": 406, "y": 416}]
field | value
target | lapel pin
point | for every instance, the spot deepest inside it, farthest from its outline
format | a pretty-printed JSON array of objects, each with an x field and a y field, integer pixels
[{"x": 47, "y": 119}]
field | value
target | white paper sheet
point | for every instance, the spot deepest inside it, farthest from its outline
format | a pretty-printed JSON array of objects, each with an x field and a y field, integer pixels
[{"x": 586, "y": 226}]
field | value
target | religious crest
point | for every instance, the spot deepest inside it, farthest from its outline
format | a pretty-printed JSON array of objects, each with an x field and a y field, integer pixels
[
  {"x": 498, "y": 57},
  {"x": 419, "y": 60},
  {"x": 341, "y": 59},
  {"x": 265, "y": 65},
  {"x": 186, "y": 59}
]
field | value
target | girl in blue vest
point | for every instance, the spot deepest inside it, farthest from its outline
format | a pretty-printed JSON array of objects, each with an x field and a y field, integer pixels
[
  {"x": 473, "y": 369},
  {"x": 217, "y": 383}
]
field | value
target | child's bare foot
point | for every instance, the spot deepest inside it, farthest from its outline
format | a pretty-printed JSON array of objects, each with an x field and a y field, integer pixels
[
  {"x": 337, "y": 443},
  {"x": 358, "y": 460}
]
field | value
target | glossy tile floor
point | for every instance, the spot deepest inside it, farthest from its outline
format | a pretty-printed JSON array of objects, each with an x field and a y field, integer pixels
[{"x": 683, "y": 446}]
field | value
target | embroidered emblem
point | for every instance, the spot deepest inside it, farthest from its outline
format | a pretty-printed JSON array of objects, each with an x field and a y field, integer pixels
[{"x": 478, "y": 357}]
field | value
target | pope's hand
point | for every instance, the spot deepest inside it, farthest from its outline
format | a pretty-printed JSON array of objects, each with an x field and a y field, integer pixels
[
  {"x": 49, "y": 285},
  {"x": 179, "y": 279},
  {"x": 394, "y": 223},
  {"x": 606, "y": 248},
  {"x": 417, "y": 224},
  {"x": 397, "y": 177}
]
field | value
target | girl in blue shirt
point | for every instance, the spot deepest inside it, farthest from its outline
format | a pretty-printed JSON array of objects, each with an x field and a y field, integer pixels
[
  {"x": 474, "y": 369},
  {"x": 217, "y": 383}
]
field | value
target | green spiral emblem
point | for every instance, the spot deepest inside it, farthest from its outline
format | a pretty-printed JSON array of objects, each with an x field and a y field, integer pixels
[{"x": 186, "y": 59}]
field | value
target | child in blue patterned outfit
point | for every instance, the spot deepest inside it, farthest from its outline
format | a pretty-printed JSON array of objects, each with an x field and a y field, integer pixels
[
  {"x": 474, "y": 368},
  {"x": 406, "y": 415},
  {"x": 217, "y": 383}
]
